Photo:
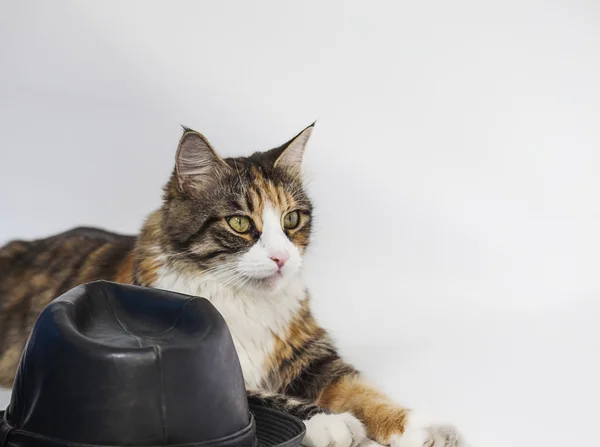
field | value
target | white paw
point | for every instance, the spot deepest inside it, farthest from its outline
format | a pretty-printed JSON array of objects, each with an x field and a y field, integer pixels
[
  {"x": 421, "y": 431},
  {"x": 334, "y": 430}
]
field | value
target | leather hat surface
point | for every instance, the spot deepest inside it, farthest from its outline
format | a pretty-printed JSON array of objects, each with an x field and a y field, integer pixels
[{"x": 108, "y": 364}]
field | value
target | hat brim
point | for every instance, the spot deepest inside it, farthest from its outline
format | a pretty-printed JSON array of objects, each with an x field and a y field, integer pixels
[{"x": 275, "y": 428}]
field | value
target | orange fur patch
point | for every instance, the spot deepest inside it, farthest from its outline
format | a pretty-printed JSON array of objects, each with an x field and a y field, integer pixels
[
  {"x": 148, "y": 271},
  {"x": 125, "y": 272},
  {"x": 381, "y": 417}
]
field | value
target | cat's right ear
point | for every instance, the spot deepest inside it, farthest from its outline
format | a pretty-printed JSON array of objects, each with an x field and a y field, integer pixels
[{"x": 196, "y": 163}]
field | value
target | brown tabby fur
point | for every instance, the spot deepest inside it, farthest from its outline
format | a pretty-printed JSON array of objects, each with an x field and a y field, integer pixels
[{"x": 306, "y": 375}]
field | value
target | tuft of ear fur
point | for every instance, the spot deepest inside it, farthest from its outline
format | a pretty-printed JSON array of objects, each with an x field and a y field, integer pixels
[
  {"x": 293, "y": 152},
  {"x": 196, "y": 162}
]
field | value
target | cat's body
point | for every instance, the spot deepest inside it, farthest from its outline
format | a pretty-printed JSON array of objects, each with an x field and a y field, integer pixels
[{"x": 233, "y": 231}]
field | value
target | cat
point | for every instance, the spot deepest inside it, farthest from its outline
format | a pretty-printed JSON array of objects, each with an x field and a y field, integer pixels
[{"x": 235, "y": 231}]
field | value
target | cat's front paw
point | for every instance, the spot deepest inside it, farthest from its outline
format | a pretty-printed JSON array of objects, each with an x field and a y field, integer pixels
[
  {"x": 333, "y": 430},
  {"x": 421, "y": 431}
]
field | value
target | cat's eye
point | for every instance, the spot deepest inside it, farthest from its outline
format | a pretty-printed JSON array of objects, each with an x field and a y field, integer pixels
[
  {"x": 241, "y": 224},
  {"x": 291, "y": 220}
]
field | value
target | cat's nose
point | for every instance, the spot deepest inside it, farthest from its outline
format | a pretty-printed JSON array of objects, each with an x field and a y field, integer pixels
[{"x": 279, "y": 259}]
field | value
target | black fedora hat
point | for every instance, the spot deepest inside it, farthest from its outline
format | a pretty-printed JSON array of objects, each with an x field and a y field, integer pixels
[{"x": 115, "y": 365}]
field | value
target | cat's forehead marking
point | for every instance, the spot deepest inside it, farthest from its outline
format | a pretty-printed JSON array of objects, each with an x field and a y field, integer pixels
[
  {"x": 254, "y": 200},
  {"x": 262, "y": 191}
]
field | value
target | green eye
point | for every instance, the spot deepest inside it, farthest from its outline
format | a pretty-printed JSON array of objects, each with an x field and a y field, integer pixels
[
  {"x": 241, "y": 224},
  {"x": 291, "y": 220}
]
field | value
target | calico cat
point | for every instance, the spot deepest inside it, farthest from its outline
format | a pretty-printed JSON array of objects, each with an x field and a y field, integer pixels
[{"x": 234, "y": 231}]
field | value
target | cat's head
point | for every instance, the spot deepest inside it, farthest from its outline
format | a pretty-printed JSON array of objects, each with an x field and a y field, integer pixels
[{"x": 244, "y": 221}]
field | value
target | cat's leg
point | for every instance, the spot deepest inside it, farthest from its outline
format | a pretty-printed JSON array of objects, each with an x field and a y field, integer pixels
[
  {"x": 323, "y": 429},
  {"x": 309, "y": 367},
  {"x": 386, "y": 422}
]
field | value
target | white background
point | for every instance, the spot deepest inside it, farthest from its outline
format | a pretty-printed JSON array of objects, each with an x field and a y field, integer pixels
[{"x": 454, "y": 166}]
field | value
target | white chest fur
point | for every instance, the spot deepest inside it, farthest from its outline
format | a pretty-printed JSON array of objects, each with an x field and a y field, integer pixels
[{"x": 253, "y": 318}]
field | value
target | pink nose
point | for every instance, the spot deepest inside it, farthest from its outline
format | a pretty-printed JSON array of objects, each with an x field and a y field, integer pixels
[{"x": 279, "y": 259}]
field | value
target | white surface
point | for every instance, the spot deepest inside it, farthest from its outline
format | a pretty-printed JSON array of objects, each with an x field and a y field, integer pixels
[{"x": 454, "y": 166}]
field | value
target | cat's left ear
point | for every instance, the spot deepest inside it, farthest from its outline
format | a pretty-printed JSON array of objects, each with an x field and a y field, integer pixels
[{"x": 291, "y": 157}]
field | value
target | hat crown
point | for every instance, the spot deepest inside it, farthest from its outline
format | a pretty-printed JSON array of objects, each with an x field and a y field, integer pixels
[{"x": 112, "y": 364}]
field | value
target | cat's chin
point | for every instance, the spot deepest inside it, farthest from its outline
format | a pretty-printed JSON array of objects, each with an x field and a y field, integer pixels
[{"x": 271, "y": 284}]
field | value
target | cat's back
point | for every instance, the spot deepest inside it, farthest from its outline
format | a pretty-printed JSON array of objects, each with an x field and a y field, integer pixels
[
  {"x": 45, "y": 268},
  {"x": 33, "y": 273}
]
